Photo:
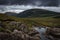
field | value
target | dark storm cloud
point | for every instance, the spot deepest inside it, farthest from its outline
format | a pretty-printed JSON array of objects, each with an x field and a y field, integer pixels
[
  {"x": 9, "y": 2},
  {"x": 31, "y": 2},
  {"x": 50, "y": 2}
]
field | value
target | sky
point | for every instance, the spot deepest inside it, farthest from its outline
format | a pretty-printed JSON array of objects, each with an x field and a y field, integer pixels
[
  {"x": 21, "y": 5},
  {"x": 31, "y": 2}
]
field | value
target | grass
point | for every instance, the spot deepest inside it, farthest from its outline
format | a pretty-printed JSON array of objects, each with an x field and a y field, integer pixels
[
  {"x": 45, "y": 21},
  {"x": 40, "y": 21}
]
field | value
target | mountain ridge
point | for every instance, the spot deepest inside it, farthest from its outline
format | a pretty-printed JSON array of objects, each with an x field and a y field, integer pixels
[
  {"x": 37, "y": 13},
  {"x": 34, "y": 13}
]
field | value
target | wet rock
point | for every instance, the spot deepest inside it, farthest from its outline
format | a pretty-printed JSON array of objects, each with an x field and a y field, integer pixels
[
  {"x": 53, "y": 33},
  {"x": 34, "y": 38},
  {"x": 24, "y": 36},
  {"x": 33, "y": 32}
]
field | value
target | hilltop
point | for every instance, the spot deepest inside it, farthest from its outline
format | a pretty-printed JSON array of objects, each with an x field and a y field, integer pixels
[
  {"x": 33, "y": 13},
  {"x": 38, "y": 13}
]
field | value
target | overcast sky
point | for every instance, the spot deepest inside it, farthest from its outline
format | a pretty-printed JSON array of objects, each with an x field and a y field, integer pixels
[
  {"x": 10, "y": 5},
  {"x": 31, "y": 2}
]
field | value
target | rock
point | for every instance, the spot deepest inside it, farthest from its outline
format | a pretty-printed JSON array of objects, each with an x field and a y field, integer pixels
[
  {"x": 53, "y": 33},
  {"x": 32, "y": 33},
  {"x": 34, "y": 38},
  {"x": 24, "y": 36},
  {"x": 14, "y": 23},
  {"x": 4, "y": 36}
]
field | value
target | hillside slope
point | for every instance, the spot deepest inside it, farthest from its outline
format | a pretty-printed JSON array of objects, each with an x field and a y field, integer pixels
[
  {"x": 38, "y": 13},
  {"x": 11, "y": 14},
  {"x": 45, "y": 21}
]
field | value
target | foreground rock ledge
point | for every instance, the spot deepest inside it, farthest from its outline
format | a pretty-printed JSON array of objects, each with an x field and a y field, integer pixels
[{"x": 19, "y": 35}]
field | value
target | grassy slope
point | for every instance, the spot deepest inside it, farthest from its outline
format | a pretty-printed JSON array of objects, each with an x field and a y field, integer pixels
[
  {"x": 46, "y": 21},
  {"x": 41, "y": 21}
]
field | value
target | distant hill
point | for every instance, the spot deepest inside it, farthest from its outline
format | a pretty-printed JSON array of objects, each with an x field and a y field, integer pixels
[
  {"x": 38, "y": 13},
  {"x": 11, "y": 13},
  {"x": 35, "y": 13}
]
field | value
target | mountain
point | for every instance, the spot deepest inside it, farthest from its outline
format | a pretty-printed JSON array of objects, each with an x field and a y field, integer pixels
[
  {"x": 35, "y": 13},
  {"x": 11, "y": 14},
  {"x": 38, "y": 13}
]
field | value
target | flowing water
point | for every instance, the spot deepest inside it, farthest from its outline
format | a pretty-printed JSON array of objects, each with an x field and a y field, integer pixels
[{"x": 42, "y": 32}]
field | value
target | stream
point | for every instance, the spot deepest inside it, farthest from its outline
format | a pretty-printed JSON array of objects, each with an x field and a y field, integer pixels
[{"x": 42, "y": 32}]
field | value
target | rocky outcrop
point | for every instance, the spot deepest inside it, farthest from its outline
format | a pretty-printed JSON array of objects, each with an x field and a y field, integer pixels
[
  {"x": 17, "y": 31},
  {"x": 19, "y": 35},
  {"x": 13, "y": 30},
  {"x": 53, "y": 33}
]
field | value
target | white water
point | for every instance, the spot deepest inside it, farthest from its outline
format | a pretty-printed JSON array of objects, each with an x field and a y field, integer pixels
[{"x": 42, "y": 31}]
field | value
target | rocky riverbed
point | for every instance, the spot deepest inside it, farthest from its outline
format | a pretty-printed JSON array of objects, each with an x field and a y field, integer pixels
[
  {"x": 50, "y": 34},
  {"x": 19, "y": 35},
  {"x": 19, "y": 31}
]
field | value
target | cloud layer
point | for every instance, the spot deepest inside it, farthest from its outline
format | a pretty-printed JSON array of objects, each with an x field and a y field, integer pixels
[
  {"x": 20, "y": 8},
  {"x": 31, "y": 2}
]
